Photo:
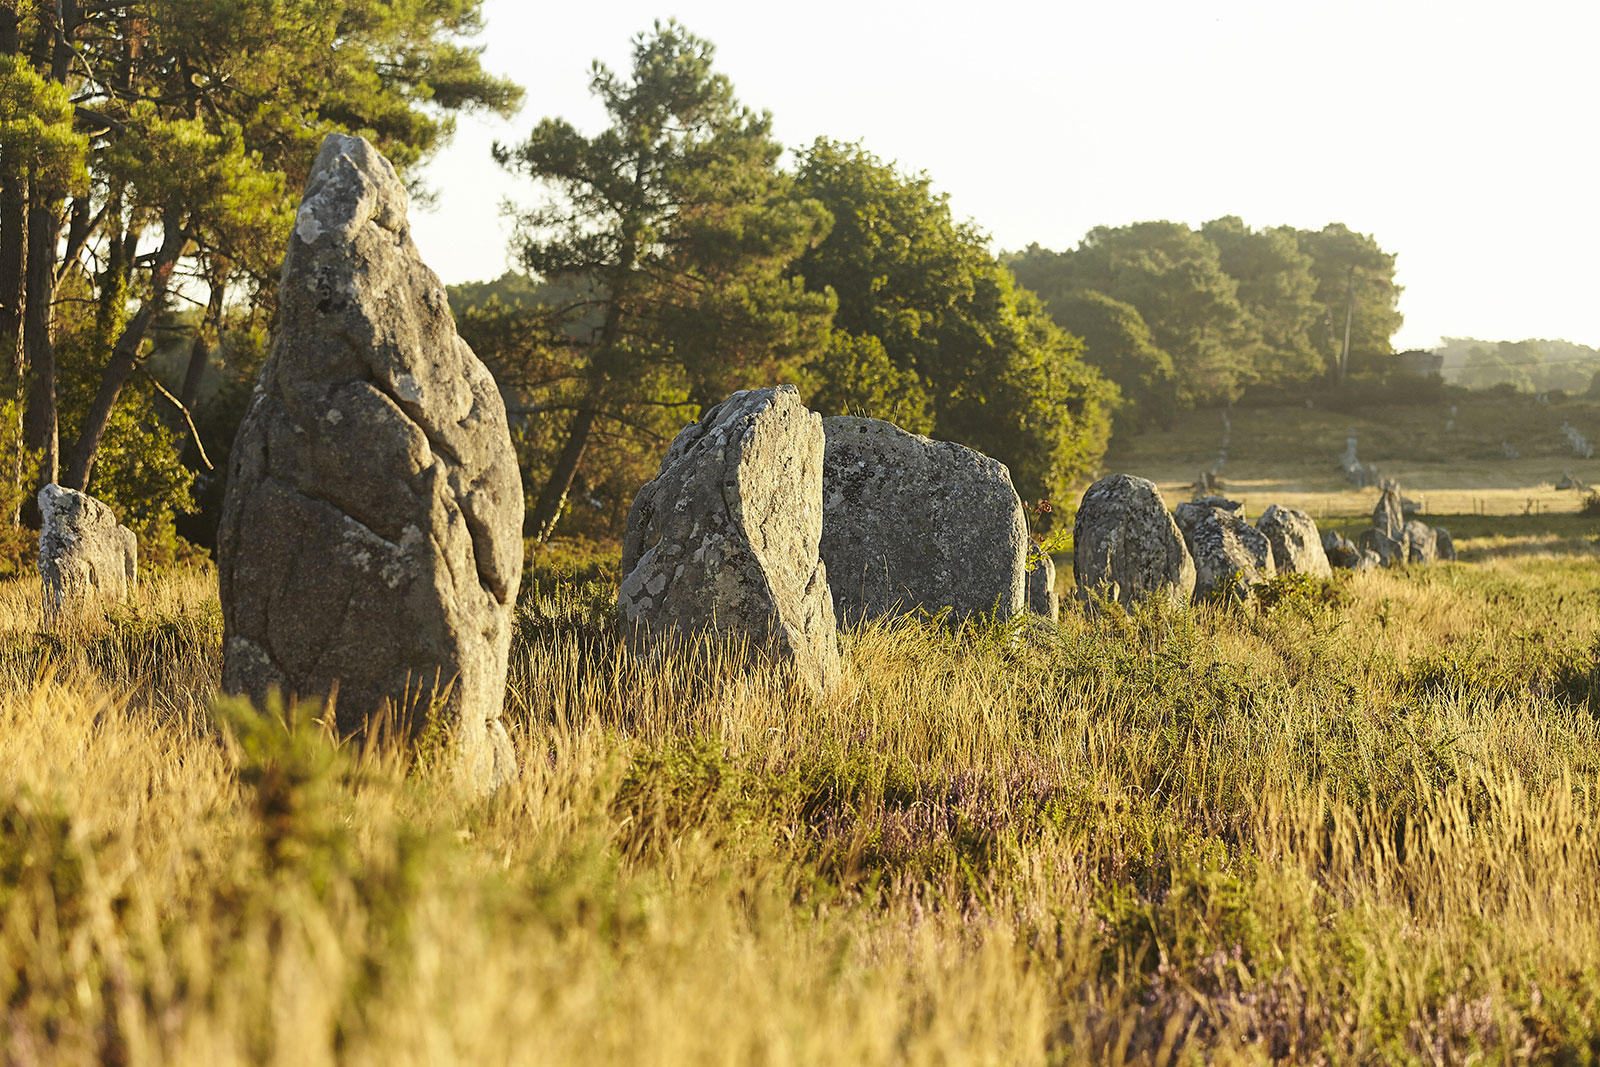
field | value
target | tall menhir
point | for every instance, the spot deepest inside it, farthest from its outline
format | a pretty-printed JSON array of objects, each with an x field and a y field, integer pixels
[{"x": 370, "y": 543}]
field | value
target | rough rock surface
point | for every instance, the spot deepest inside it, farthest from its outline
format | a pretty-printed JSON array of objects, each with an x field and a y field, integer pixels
[
  {"x": 1042, "y": 598},
  {"x": 1230, "y": 556},
  {"x": 1340, "y": 550},
  {"x": 1388, "y": 518},
  {"x": 1214, "y": 501},
  {"x": 1126, "y": 544},
  {"x": 1421, "y": 542},
  {"x": 371, "y": 536},
  {"x": 84, "y": 554},
  {"x": 910, "y": 523},
  {"x": 1445, "y": 544},
  {"x": 1388, "y": 550},
  {"x": 725, "y": 538},
  {"x": 1295, "y": 545}
]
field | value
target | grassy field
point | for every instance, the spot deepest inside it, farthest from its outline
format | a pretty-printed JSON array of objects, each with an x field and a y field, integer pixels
[
  {"x": 1357, "y": 820},
  {"x": 1453, "y": 464}
]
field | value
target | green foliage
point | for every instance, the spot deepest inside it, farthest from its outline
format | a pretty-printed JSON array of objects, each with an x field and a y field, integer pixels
[
  {"x": 1277, "y": 289},
  {"x": 1118, "y": 343},
  {"x": 855, "y": 376},
  {"x": 1223, "y": 307},
  {"x": 194, "y": 123},
  {"x": 673, "y": 230},
  {"x": 1353, "y": 273},
  {"x": 1534, "y": 365},
  {"x": 1173, "y": 277},
  {"x": 38, "y": 142},
  {"x": 928, "y": 321},
  {"x": 18, "y": 544}
]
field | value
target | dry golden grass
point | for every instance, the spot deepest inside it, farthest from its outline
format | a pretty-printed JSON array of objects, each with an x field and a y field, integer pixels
[{"x": 1359, "y": 824}]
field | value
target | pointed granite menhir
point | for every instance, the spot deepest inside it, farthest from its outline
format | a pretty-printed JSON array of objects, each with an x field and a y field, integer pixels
[{"x": 371, "y": 537}]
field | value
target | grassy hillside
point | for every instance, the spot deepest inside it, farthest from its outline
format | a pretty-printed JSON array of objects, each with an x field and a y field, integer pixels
[
  {"x": 1291, "y": 455},
  {"x": 1360, "y": 820}
]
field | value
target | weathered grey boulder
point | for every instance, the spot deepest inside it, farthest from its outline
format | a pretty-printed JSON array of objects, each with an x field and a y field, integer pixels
[
  {"x": 724, "y": 539},
  {"x": 1230, "y": 556},
  {"x": 85, "y": 556},
  {"x": 1388, "y": 518},
  {"x": 1214, "y": 501},
  {"x": 1388, "y": 550},
  {"x": 1421, "y": 542},
  {"x": 1126, "y": 546},
  {"x": 371, "y": 535},
  {"x": 910, "y": 523},
  {"x": 1340, "y": 550},
  {"x": 1295, "y": 546},
  {"x": 1445, "y": 544},
  {"x": 1042, "y": 598}
]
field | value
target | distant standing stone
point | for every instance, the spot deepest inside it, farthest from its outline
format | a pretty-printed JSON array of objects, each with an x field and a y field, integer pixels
[
  {"x": 371, "y": 536},
  {"x": 1388, "y": 518},
  {"x": 1296, "y": 548},
  {"x": 1340, "y": 551},
  {"x": 84, "y": 554},
  {"x": 724, "y": 540},
  {"x": 911, "y": 523},
  {"x": 1445, "y": 544},
  {"x": 1042, "y": 598},
  {"x": 1230, "y": 555},
  {"x": 1126, "y": 545},
  {"x": 1421, "y": 542},
  {"x": 1387, "y": 550}
]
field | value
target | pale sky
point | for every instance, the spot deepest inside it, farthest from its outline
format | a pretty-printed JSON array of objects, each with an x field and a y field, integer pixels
[{"x": 1464, "y": 135}]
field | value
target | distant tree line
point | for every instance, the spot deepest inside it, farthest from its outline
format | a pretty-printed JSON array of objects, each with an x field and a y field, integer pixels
[
  {"x": 1535, "y": 366},
  {"x": 1179, "y": 317}
]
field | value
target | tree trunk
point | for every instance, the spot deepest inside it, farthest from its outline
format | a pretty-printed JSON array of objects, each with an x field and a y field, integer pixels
[
  {"x": 13, "y": 225},
  {"x": 40, "y": 427},
  {"x": 547, "y": 509},
  {"x": 124, "y": 358},
  {"x": 13, "y": 255}
]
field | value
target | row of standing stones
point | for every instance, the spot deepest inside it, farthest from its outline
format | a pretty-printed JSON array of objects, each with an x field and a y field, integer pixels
[
  {"x": 772, "y": 524},
  {"x": 1127, "y": 546},
  {"x": 370, "y": 547}
]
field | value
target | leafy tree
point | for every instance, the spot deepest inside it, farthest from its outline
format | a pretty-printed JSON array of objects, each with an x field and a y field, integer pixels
[
  {"x": 1173, "y": 277},
  {"x": 1355, "y": 283},
  {"x": 1118, "y": 343},
  {"x": 195, "y": 122},
  {"x": 932, "y": 333},
  {"x": 676, "y": 226},
  {"x": 1277, "y": 290}
]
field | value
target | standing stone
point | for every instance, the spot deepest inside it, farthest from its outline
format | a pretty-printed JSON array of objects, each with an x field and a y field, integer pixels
[
  {"x": 1296, "y": 548},
  {"x": 910, "y": 523},
  {"x": 725, "y": 538},
  {"x": 1388, "y": 518},
  {"x": 1126, "y": 546},
  {"x": 1042, "y": 598},
  {"x": 1388, "y": 550},
  {"x": 1340, "y": 551},
  {"x": 84, "y": 554},
  {"x": 1421, "y": 542},
  {"x": 1230, "y": 555},
  {"x": 371, "y": 536},
  {"x": 1445, "y": 544}
]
